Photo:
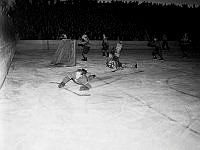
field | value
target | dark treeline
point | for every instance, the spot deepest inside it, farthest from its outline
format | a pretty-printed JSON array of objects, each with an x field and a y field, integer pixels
[{"x": 42, "y": 19}]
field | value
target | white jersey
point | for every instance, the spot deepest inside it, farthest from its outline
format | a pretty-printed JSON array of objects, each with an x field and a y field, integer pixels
[{"x": 118, "y": 49}]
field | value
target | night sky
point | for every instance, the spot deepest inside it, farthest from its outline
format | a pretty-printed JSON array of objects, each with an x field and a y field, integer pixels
[{"x": 177, "y": 2}]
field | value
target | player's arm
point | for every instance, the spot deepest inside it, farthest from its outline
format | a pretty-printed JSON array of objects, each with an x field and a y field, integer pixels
[{"x": 90, "y": 76}]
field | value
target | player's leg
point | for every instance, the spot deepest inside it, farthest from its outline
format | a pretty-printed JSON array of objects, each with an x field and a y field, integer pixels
[
  {"x": 183, "y": 50},
  {"x": 103, "y": 52},
  {"x": 167, "y": 45},
  {"x": 84, "y": 57},
  {"x": 85, "y": 52},
  {"x": 64, "y": 81},
  {"x": 118, "y": 64},
  {"x": 106, "y": 52},
  {"x": 160, "y": 54},
  {"x": 154, "y": 54},
  {"x": 109, "y": 60}
]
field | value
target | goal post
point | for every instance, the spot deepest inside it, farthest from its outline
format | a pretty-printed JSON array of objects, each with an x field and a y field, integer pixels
[{"x": 71, "y": 55}]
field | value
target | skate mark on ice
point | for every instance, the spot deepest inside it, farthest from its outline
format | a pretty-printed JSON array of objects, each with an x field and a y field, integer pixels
[
  {"x": 168, "y": 117},
  {"x": 185, "y": 74},
  {"x": 106, "y": 95},
  {"x": 117, "y": 79},
  {"x": 178, "y": 90}
]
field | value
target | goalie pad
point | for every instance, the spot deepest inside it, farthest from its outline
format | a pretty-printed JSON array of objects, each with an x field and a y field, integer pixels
[{"x": 112, "y": 64}]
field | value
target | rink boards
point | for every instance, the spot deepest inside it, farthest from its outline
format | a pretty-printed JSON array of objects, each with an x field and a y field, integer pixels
[{"x": 94, "y": 45}]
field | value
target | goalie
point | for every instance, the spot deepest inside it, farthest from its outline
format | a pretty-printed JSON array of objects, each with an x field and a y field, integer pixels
[{"x": 80, "y": 77}]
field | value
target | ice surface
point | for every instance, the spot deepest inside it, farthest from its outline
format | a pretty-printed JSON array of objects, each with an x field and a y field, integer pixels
[{"x": 153, "y": 107}]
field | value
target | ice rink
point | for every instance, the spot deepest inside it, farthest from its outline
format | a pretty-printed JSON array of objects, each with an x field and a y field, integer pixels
[{"x": 153, "y": 107}]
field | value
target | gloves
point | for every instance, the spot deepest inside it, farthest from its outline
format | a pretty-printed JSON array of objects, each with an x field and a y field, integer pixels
[
  {"x": 90, "y": 77},
  {"x": 62, "y": 84},
  {"x": 93, "y": 76}
]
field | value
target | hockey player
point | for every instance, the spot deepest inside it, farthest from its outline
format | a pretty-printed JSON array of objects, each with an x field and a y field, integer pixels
[
  {"x": 80, "y": 77},
  {"x": 185, "y": 44},
  {"x": 113, "y": 59},
  {"x": 157, "y": 49},
  {"x": 165, "y": 42},
  {"x": 84, "y": 44},
  {"x": 105, "y": 46}
]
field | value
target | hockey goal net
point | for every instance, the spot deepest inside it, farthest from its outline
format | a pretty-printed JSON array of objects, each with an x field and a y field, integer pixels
[{"x": 65, "y": 53}]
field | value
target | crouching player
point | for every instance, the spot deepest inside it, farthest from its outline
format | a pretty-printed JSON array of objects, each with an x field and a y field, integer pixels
[
  {"x": 80, "y": 77},
  {"x": 113, "y": 59}
]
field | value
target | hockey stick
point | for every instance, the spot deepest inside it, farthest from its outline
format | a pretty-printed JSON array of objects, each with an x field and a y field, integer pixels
[
  {"x": 84, "y": 94},
  {"x": 126, "y": 65},
  {"x": 148, "y": 38}
]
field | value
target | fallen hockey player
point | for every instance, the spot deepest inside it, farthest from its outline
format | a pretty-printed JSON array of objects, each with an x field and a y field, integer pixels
[
  {"x": 80, "y": 77},
  {"x": 113, "y": 60}
]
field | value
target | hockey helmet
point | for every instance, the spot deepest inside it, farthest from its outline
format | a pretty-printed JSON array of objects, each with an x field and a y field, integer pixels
[
  {"x": 83, "y": 71},
  {"x": 63, "y": 36}
]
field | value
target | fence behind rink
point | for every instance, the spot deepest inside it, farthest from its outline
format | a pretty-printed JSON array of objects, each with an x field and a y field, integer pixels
[{"x": 95, "y": 45}]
